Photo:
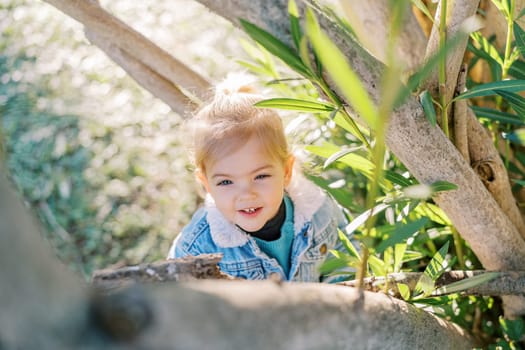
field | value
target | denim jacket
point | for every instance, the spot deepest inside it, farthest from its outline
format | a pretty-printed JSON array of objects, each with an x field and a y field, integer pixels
[{"x": 316, "y": 219}]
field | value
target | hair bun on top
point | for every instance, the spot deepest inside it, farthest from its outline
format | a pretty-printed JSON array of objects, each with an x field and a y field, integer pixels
[{"x": 236, "y": 83}]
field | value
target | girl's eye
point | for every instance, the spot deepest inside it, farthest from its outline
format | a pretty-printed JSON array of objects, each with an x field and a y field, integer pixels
[
  {"x": 224, "y": 183},
  {"x": 262, "y": 176}
]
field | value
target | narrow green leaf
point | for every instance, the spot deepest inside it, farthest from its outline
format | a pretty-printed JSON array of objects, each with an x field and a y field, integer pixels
[
  {"x": 519, "y": 182},
  {"x": 342, "y": 261},
  {"x": 397, "y": 179},
  {"x": 517, "y": 136},
  {"x": 521, "y": 14},
  {"x": 377, "y": 266},
  {"x": 363, "y": 217},
  {"x": 400, "y": 232},
  {"x": 490, "y": 88},
  {"x": 428, "y": 106},
  {"x": 337, "y": 155},
  {"x": 296, "y": 105},
  {"x": 516, "y": 101},
  {"x": 499, "y": 116},
  {"x": 399, "y": 253},
  {"x": 467, "y": 283},
  {"x": 342, "y": 120},
  {"x": 421, "y": 6},
  {"x": 494, "y": 66},
  {"x": 434, "y": 269},
  {"x": 487, "y": 47},
  {"x": 353, "y": 160},
  {"x": 415, "y": 80},
  {"x": 347, "y": 244},
  {"x": 440, "y": 186},
  {"x": 519, "y": 34},
  {"x": 517, "y": 69},
  {"x": 337, "y": 66},
  {"x": 411, "y": 255},
  {"x": 295, "y": 27},
  {"x": 404, "y": 290},
  {"x": 276, "y": 47},
  {"x": 433, "y": 212},
  {"x": 514, "y": 329}
]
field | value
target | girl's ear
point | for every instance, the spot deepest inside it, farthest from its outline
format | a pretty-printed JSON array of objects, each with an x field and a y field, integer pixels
[
  {"x": 202, "y": 179},
  {"x": 288, "y": 170}
]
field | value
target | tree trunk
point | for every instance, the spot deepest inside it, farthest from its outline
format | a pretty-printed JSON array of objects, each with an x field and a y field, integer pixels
[
  {"x": 44, "y": 306},
  {"x": 423, "y": 149}
]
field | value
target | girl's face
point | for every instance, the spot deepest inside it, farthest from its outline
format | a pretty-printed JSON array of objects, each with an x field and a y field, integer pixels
[{"x": 248, "y": 184}]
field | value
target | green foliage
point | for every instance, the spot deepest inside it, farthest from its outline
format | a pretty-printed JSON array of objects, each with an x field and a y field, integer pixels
[
  {"x": 97, "y": 159},
  {"x": 392, "y": 217}
]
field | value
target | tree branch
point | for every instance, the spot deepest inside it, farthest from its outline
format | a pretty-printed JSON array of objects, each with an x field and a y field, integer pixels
[
  {"x": 114, "y": 31},
  {"x": 506, "y": 283},
  {"x": 370, "y": 20},
  {"x": 424, "y": 149}
]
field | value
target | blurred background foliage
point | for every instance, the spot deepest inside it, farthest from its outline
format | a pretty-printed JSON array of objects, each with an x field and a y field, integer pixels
[{"x": 97, "y": 158}]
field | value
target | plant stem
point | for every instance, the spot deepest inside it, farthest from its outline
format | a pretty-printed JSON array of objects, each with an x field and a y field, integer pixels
[{"x": 443, "y": 67}]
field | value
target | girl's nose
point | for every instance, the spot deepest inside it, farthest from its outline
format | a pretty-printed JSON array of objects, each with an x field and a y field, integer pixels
[{"x": 247, "y": 192}]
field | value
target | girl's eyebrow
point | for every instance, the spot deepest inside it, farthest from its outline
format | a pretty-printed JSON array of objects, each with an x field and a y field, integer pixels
[{"x": 264, "y": 167}]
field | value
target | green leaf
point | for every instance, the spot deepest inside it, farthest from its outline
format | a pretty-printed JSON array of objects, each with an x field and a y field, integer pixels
[
  {"x": 466, "y": 283},
  {"x": 521, "y": 14},
  {"x": 441, "y": 186},
  {"x": 399, "y": 253},
  {"x": 494, "y": 66},
  {"x": 428, "y": 107},
  {"x": 499, "y": 116},
  {"x": 276, "y": 47},
  {"x": 427, "y": 68},
  {"x": 341, "y": 261},
  {"x": 516, "y": 101},
  {"x": 514, "y": 329},
  {"x": 296, "y": 105},
  {"x": 337, "y": 66},
  {"x": 404, "y": 290},
  {"x": 353, "y": 160},
  {"x": 421, "y": 6},
  {"x": 433, "y": 212},
  {"x": 338, "y": 155},
  {"x": 295, "y": 27},
  {"x": 434, "y": 269},
  {"x": 347, "y": 244},
  {"x": 517, "y": 69},
  {"x": 397, "y": 179},
  {"x": 411, "y": 255},
  {"x": 487, "y": 47},
  {"x": 517, "y": 136},
  {"x": 398, "y": 233},
  {"x": 490, "y": 88},
  {"x": 377, "y": 266},
  {"x": 363, "y": 217},
  {"x": 519, "y": 34}
]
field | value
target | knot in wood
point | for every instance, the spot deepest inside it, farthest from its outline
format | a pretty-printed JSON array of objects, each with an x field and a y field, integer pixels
[{"x": 485, "y": 170}]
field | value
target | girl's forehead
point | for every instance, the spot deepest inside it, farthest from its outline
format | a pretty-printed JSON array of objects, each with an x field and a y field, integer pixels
[{"x": 245, "y": 157}]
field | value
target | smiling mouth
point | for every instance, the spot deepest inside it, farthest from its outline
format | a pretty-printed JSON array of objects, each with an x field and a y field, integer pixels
[{"x": 249, "y": 210}]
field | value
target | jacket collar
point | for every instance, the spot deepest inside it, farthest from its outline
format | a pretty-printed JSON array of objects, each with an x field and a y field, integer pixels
[{"x": 307, "y": 198}]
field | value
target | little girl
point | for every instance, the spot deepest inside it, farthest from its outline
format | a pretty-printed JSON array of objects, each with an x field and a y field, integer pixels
[{"x": 260, "y": 213}]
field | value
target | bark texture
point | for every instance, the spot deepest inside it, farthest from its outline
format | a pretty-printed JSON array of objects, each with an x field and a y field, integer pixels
[
  {"x": 505, "y": 283},
  {"x": 424, "y": 149},
  {"x": 110, "y": 29},
  {"x": 371, "y": 19},
  {"x": 44, "y": 306}
]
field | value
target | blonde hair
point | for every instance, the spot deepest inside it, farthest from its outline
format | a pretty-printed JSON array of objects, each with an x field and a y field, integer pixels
[{"x": 230, "y": 120}]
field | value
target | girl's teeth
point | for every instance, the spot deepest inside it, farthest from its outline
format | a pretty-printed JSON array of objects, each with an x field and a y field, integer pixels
[{"x": 249, "y": 210}]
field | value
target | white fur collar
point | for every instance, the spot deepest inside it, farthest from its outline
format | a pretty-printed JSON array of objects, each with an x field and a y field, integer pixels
[{"x": 306, "y": 198}]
